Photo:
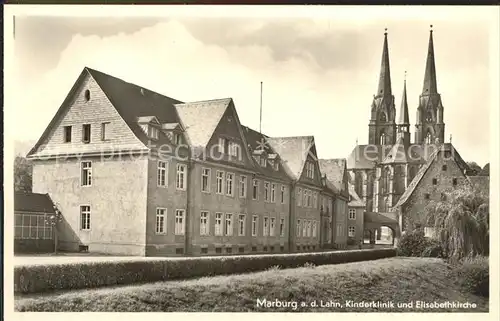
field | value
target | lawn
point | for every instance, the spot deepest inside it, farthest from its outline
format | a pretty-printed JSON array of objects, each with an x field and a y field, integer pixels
[{"x": 397, "y": 280}]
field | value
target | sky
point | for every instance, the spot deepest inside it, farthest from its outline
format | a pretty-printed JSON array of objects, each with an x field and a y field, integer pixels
[{"x": 319, "y": 73}]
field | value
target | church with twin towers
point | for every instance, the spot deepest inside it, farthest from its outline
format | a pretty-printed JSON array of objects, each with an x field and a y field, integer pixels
[{"x": 386, "y": 171}]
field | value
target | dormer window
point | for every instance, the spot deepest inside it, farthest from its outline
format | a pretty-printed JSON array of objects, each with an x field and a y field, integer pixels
[
  {"x": 263, "y": 161},
  {"x": 154, "y": 132},
  {"x": 234, "y": 149},
  {"x": 177, "y": 139},
  {"x": 310, "y": 169}
]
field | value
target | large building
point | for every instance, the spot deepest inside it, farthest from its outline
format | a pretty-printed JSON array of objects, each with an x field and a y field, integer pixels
[
  {"x": 135, "y": 172},
  {"x": 391, "y": 169}
]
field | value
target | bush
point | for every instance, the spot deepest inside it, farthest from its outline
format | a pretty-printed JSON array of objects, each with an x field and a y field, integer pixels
[
  {"x": 433, "y": 249},
  {"x": 40, "y": 278},
  {"x": 351, "y": 241},
  {"x": 412, "y": 243},
  {"x": 473, "y": 275}
]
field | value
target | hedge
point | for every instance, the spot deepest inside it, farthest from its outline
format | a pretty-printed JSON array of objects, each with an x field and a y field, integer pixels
[{"x": 41, "y": 278}]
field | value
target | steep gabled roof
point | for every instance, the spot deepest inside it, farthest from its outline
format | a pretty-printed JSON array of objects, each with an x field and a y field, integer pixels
[
  {"x": 133, "y": 101},
  {"x": 130, "y": 101},
  {"x": 356, "y": 201},
  {"x": 335, "y": 171},
  {"x": 33, "y": 202},
  {"x": 293, "y": 151},
  {"x": 256, "y": 141},
  {"x": 417, "y": 179},
  {"x": 200, "y": 119}
]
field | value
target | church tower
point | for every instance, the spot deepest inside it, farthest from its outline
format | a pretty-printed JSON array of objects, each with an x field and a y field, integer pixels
[
  {"x": 382, "y": 126},
  {"x": 429, "y": 127},
  {"x": 403, "y": 126}
]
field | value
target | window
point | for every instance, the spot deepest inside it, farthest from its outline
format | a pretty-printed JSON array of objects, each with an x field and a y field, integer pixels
[
  {"x": 299, "y": 228},
  {"x": 218, "y": 224},
  {"x": 234, "y": 149},
  {"x": 455, "y": 182},
  {"x": 282, "y": 194},
  {"x": 255, "y": 190},
  {"x": 204, "y": 223},
  {"x": 428, "y": 138},
  {"x": 85, "y": 218},
  {"x": 241, "y": 250},
  {"x": 352, "y": 231},
  {"x": 427, "y": 196},
  {"x": 218, "y": 250},
  {"x": 229, "y": 184},
  {"x": 179, "y": 222},
  {"x": 299, "y": 197},
  {"x": 340, "y": 230},
  {"x": 241, "y": 225},
  {"x": 229, "y": 225},
  {"x": 265, "y": 231},
  {"x": 255, "y": 222},
  {"x": 304, "y": 201},
  {"x": 204, "y": 250},
  {"x": 306, "y": 228},
  {"x": 229, "y": 250},
  {"x": 263, "y": 161},
  {"x": 272, "y": 227},
  {"x": 309, "y": 199},
  {"x": 177, "y": 139},
  {"x": 205, "y": 180},
  {"x": 315, "y": 200},
  {"x": 154, "y": 132},
  {"x": 181, "y": 177},
  {"x": 282, "y": 227},
  {"x": 162, "y": 173},
  {"x": 86, "y": 173},
  {"x": 220, "y": 182},
  {"x": 266, "y": 191},
  {"x": 352, "y": 213},
  {"x": 382, "y": 139},
  {"x": 161, "y": 221},
  {"x": 310, "y": 169},
  {"x": 254, "y": 249},
  {"x": 444, "y": 168},
  {"x": 273, "y": 193},
  {"x": 28, "y": 226},
  {"x": 86, "y": 133},
  {"x": 67, "y": 134},
  {"x": 104, "y": 131},
  {"x": 314, "y": 228},
  {"x": 222, "y": 145},
  {"x": 434, "y": 181},
  {"x": 243, "y": 186},
  {"x": 87, "y": 95}
]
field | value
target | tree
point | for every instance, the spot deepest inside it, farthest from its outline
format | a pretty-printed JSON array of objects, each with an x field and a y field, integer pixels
[
  {"x": 23, "y": 174},
  {"x": 54, "y": 220},
  {"x": 461, "y": 223},
  {"x": 485, "y": 171},
  {"x": 474, "y": 169}
]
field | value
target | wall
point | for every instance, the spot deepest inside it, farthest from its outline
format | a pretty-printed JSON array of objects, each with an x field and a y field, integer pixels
[
  {"x": 357, "y": 223},
  {"x": 117, "y": 199},
  {"x": 413, "y": 209},
  {"x": 95, "y": 112},
  {"x": 236, "y": 205}
]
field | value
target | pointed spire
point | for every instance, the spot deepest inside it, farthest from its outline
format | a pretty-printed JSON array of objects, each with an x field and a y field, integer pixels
[
  {"x": 404, "y": 119},
  {"x": 430, "y": 83},
  {"x": 384, "y": 84}
]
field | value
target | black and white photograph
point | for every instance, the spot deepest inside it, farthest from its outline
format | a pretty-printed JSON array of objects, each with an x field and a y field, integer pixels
[{"x": 251, "y": 159}]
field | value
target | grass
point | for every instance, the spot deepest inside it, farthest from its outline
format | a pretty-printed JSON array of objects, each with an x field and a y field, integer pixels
[{"x": 394, "y": 279}]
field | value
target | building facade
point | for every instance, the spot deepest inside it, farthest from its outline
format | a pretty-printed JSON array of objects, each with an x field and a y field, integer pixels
[{"x": 134, "y": 172}]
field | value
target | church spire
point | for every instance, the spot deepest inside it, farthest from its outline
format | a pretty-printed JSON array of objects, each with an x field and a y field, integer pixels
[
  {"x": 404, "y": 119},
  {"x": 430, "y": 83},
  {"x": 384, "y": 84}
]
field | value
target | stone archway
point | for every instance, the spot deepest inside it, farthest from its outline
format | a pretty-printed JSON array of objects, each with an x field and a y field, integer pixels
[{"x": 386, "y": 223}]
